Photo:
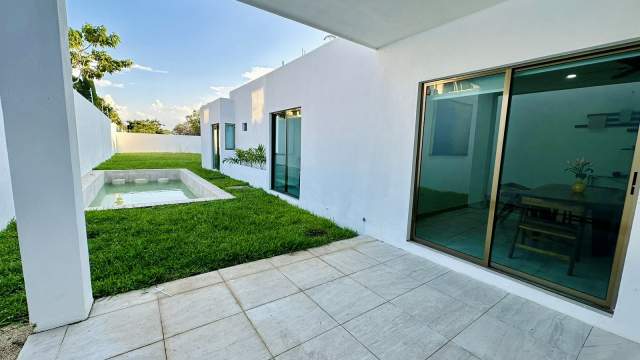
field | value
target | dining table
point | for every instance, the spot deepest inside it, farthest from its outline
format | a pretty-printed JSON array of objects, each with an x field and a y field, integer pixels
[{"x": 603, "y": 207}]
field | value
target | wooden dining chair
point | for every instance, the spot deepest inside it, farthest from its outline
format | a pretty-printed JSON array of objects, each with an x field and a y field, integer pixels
[{"x": 546, "y": 221}]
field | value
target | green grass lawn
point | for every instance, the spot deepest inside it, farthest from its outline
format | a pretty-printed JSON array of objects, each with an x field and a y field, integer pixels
[{"x": 137, "y": 248}]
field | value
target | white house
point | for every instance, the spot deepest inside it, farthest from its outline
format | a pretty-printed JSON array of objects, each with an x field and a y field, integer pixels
[
  {"x": 445, "y": 129},
  {"x": 441, "y": 127}
]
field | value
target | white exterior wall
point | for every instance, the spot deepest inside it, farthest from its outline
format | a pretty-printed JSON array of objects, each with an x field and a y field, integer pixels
[
  {"x": 7, "y": 211},
  {"x": 134, "y": 142},
  {"x": 359, "y": 110},
  {"x": 487, "y": 40},
  {"x": 95, "y": 143}
]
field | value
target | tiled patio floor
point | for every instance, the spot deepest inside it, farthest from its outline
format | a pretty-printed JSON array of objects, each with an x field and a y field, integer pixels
[{"x": 354, "y": 299}]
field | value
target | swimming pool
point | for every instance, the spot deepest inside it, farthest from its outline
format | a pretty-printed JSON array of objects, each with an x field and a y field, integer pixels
[{"x": 112, "y": 189}]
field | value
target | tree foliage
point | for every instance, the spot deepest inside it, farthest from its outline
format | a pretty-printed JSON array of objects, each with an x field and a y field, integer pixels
[
  {"x": 90, "y": 61},
  {"x": 191, "y": 125},
  {"x": 89, "y": 57},
  {"x": 254, "y": 157},
  {"x": 146, "y": 126}
]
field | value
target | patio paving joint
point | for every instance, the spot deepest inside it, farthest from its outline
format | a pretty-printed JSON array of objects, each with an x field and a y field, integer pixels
[{"x": 244, "y": 313}]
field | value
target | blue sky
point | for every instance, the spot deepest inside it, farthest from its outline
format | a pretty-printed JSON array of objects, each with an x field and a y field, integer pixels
[{"x": 188, "y": 52}]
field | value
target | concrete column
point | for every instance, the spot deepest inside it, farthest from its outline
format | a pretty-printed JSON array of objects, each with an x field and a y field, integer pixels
[{"x": 37, "y": 101}]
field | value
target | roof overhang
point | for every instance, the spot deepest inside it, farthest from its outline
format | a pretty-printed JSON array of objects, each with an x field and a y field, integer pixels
[{"x": 373, "y": 23}]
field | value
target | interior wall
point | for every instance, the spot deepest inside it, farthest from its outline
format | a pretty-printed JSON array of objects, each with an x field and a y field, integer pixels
[{"x": 542, "y": 136}]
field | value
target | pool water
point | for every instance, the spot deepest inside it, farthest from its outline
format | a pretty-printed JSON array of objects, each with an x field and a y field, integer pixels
[{"x": 130, "y": 194}]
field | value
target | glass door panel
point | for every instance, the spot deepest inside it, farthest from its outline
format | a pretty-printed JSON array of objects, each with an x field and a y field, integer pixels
[
  {"x": 456, "y": 164},
  {"x": 569, "y": 146},
  {"x": 293, "y": 153},
  {"x": 215, "y": 144},
  {"x": 280, "y": 153}
]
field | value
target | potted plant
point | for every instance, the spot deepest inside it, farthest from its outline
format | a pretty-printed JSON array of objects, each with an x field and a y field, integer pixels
[{"x": 581, "y": 168}]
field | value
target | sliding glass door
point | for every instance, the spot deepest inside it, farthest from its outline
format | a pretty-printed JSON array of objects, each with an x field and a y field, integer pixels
[
  {"x": 532, "y": 171},
  {"x": 458, "y": 145},
  {"x": 286, "y": 130}
]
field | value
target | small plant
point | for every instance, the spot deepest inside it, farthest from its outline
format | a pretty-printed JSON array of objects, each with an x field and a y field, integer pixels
[
  {"x": 580, "y": 168},
  {"x": 253, "y": 157}
]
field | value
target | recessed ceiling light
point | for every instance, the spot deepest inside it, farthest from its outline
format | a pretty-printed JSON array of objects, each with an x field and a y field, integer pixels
[{"x": 572, "y": 76}]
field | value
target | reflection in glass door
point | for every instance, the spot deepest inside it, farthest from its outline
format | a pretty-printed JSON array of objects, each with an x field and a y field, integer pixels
[
  {"x": 286, "y": 130},
  {"x": 215, "y": 145},
  {"x": 539, "y": 180},
  {"x": 569, "y": 148},
  {"x": 455, "y": 178}
]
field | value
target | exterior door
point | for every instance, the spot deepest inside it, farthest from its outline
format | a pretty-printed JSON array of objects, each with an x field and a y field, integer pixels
[
  {"x": 286, "y": 130},
  {"x": 215, "y": 142},
  {"x": 532, "y": 171}
]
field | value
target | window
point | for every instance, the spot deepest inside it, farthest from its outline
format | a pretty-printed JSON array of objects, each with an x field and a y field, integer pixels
[
  {"x": 229, "y": 136},
  {"x": 244, "y": 126},
  {"x": 285, "y": 130},
  {"x": 531, "y": 170}
]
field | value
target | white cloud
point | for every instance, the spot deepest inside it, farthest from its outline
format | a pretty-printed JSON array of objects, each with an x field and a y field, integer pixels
[
  {"x": 157, "y": 105},
  {"x": 168, "y": 114},
  {"x": 107, "y": 83},
  {"x": 221, "y": 91},
  {"x": 122, "y": 110},
  {"x": 256, "y": 72},
  {"x": 147, "y": 68}
]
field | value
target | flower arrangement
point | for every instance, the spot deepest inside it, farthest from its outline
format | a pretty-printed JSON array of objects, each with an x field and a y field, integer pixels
[{"x": 580, "y": 168}]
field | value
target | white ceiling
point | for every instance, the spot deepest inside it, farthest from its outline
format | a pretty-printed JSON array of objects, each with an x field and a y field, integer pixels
[{"x": 374, "y": 23}]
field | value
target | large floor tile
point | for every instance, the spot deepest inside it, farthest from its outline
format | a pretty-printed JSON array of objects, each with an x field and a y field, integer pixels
[
  {"x": 113, "y": 334},
  {"x": 441, "y": 312},
  {"x": 416, "y": 267},
  {"x": 154, "y": 351},
  {"x": 291, "y": 258},
  {"x": 310, "y": 273},
  {"x": 336, "y": 344},
  {"x": 468, "y": 290},
  {"x": 289, "y": 322},
  {"x": 380, "y": 251},
  {"x": 559, "y": 330},
  {"x": 489, "y": 338},
  {"x": 257, "y": 289},
  {"x": 603, "y": 345},
  {"x": 344, "y": 299},
  {"x": 121, "y": 301},
  {"x": 392, "y": 334},
  {"x": 44, "y": 345},
  {"x": 188, "y": 284},
  {"x": 341, "y": 245},
  {"x": 385, "y": 281},
  {"x": 452, "y": 351},
  {"x": 245, "y": 269},
  {"x": 349, "y": 261},
  {"x": 232, "y": 338},
  {"x": 195, "y": 308}
]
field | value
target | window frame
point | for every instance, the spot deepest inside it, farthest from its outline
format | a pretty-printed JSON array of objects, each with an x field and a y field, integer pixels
[{"x": 226, "y": 145}]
